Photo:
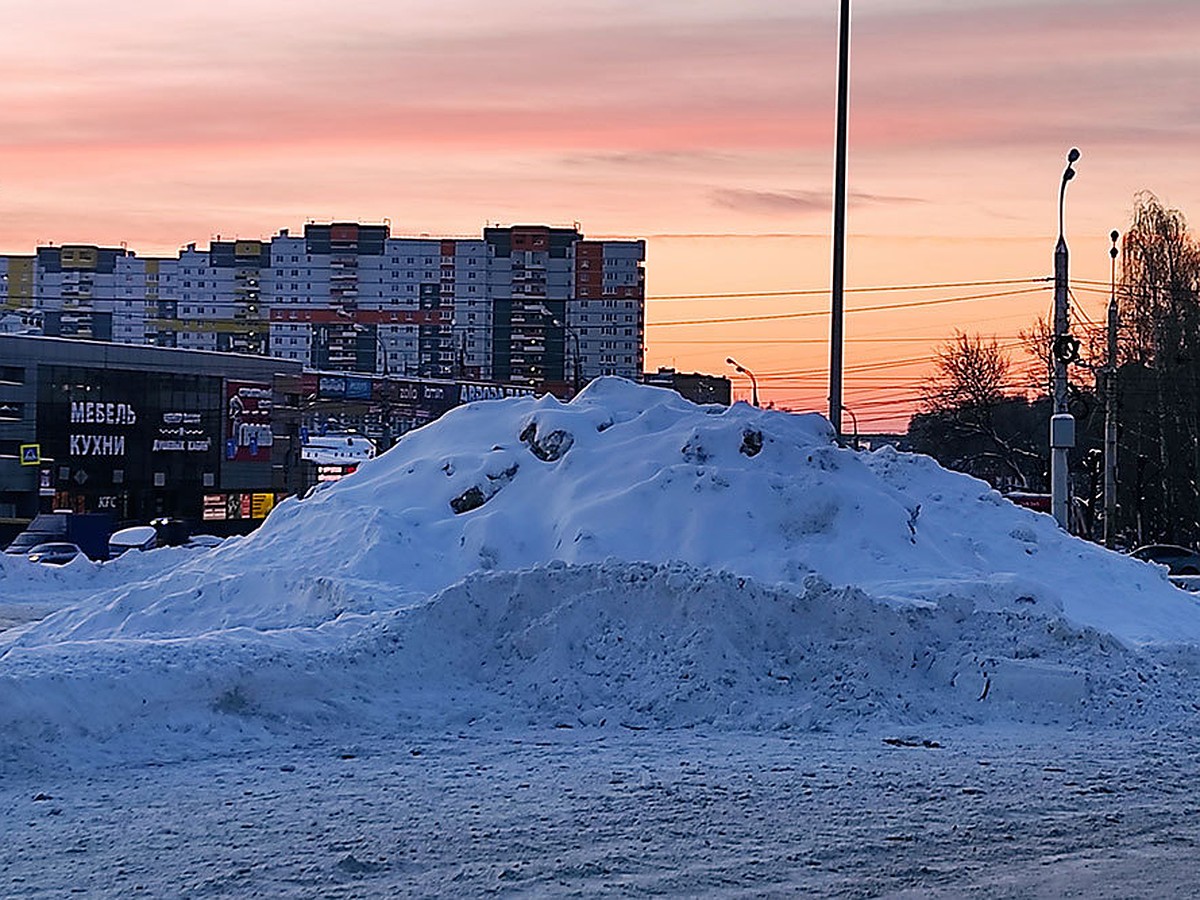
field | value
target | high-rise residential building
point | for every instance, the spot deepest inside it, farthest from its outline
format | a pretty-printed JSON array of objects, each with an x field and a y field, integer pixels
[
  {"x": 531, "y": 305},
  {"x": 82, "y": 291}
]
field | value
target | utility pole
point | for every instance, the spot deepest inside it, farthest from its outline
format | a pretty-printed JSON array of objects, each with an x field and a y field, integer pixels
[
  {"x": 1065, "y": 349},
  {"x": 837, "y": 304},
  {"x": 1110, "y": 404}
]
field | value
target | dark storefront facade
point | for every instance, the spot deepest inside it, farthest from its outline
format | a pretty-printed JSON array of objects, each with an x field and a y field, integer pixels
[{"x": 141, "y": 432}]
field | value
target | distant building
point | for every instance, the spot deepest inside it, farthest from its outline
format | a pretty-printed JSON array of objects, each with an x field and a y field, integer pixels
[
  {"x": 143, "y": 432},
  {"x": 529, "y": 305},
  {"x": 80, "y": 291},
  {"x": 694, "y": 386}
]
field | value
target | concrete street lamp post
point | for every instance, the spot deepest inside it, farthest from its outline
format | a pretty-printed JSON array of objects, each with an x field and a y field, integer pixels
[{"x": 1065, "y": 350}]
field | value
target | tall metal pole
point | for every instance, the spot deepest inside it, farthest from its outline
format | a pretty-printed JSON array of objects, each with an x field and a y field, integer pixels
[
  {"x": 576, "y": 375},
  {"x": 1110, "y": 405},
  {"x": 1062, "y": 424},
  {"x": 837, "y": 304}
]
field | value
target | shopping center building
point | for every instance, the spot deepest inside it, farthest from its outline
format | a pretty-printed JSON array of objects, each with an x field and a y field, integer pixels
[{"x": 142, "y": 432}]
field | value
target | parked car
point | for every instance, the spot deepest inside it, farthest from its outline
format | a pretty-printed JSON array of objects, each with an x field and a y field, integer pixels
[
  {"x": 1178, "y": 560},
  {"x": 139, "y": 537},
  {"x": 24, "y": 542},
  {"x": 88, "y": 531},
  {"x": 55, "y": 554},
  {"x": 203, "y": 542}
]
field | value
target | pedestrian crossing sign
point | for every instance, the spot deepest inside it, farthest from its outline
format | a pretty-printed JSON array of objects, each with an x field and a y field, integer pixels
[{"x": 31, "y": 454}]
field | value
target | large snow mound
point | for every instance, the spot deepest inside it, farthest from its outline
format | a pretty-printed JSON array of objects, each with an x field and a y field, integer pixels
[
  {"x": 602, "y": 645},
  {"x": 627, "y": 557},
  {"x": 641, "y": 475}
]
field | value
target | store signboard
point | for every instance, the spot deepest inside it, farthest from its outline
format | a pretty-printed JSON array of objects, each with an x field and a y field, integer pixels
[
  {"x": 358, "y": 389},
  {"x": 238, "y": 505},
  {"x": 248, "y": 436},
  {"x": 214, "y": 508}
]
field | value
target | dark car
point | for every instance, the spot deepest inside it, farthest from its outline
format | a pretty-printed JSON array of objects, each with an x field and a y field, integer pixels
[
  {"x": 24, "y": 542},
  {"x": 1178, "y": 560},
  {"x": 55, "y": 554}
]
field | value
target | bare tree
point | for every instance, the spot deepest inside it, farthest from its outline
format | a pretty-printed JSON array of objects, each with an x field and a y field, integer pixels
[
  {"x": 969, "y": 376},
  {"x": 968, "y": 419}
]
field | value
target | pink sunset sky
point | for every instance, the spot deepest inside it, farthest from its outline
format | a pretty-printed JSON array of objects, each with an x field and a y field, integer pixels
[{"x": 704, "y": 126}]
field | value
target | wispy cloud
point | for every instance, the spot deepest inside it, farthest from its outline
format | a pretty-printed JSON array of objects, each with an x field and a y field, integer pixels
[{"x": 792, "y": 202}]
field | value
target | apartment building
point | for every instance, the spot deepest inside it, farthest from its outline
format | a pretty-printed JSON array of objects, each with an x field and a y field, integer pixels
[
  {"x": 529, "y": 305},
  {"x": 81, "y": 291}
]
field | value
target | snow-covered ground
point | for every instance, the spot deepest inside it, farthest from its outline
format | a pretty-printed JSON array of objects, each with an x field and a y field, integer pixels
[{"x": 625, "y": 644}]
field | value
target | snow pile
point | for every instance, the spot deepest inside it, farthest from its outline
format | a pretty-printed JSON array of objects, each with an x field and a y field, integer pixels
[{"x": 625, "y": 559}]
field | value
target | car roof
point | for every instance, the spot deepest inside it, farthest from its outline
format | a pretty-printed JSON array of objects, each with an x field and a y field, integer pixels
[{"x": 135, "y": 534}]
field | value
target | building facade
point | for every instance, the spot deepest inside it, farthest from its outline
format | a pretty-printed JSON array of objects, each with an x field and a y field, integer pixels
[
  {"x": 527, "y": 305},
  {"x": 142, "y": 432}
]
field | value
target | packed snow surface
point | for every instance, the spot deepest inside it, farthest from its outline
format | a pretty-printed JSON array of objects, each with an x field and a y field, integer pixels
[{"x": 627, "y": 559}]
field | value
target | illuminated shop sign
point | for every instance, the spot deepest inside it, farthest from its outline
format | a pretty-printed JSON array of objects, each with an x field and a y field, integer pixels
[
  {"x": 249, "y": 437},
  {"x": 99, "y": 413},
  {"x": 181, "y": 432},
  {"x": 88, "y": 413},
  {"x": 231, "y": 507},
  {"x": 468, "y": 393}
]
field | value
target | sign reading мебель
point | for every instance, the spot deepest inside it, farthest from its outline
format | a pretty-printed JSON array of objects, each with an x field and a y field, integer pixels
[
  {"x": 86, "y": 441},
  {"x": 117, "y": 436},
  {"x": 248, "y": 437}
]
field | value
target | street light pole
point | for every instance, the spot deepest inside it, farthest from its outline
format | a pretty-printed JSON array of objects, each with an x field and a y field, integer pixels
[
  {"x": 383, "y": 354},
  {"x": 744, "y": 371},
  {"x": 1065, "y": 349},
  {"x": 854, "y": 423},
  {"x": 574, "y": 336},
  {"x": 1110, "y": 404},
  {"x": 544, "y": 312},
  {"x": 837, "y": 299}
]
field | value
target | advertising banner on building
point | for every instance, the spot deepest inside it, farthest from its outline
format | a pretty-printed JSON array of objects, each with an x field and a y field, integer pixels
[
  {"x": 358, "y": 388},
  {"x": 248, "y": 437},
  {"x": 135, "y": 443},
  {"x": 331, "y": 386},
  {"x": 181, "y": 432}
]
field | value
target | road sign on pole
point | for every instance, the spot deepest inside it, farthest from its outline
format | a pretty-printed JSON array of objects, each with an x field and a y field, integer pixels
[{"x": 31, "y": 454}]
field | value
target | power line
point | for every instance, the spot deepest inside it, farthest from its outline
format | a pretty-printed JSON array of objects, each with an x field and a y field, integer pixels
[
  {"x": 790, "y": 341},
  {"x": 859, "y": 309},
  {"x": 821, "y": 292}
]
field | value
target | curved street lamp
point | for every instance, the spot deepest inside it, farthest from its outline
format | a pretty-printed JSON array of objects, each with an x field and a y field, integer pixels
[
  {"x": 738, "y": 367},
  {"x": 1064, "y": 351},
  {"x": 854, "y": 421},
  {"x": 383, "y": 355},
  {"x": 544, "y": 312}
]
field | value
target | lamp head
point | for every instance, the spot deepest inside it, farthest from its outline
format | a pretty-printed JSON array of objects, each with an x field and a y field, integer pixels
[
  {"x": 1073, "y": 155},
  {"x": 1113, "y": 237}
]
